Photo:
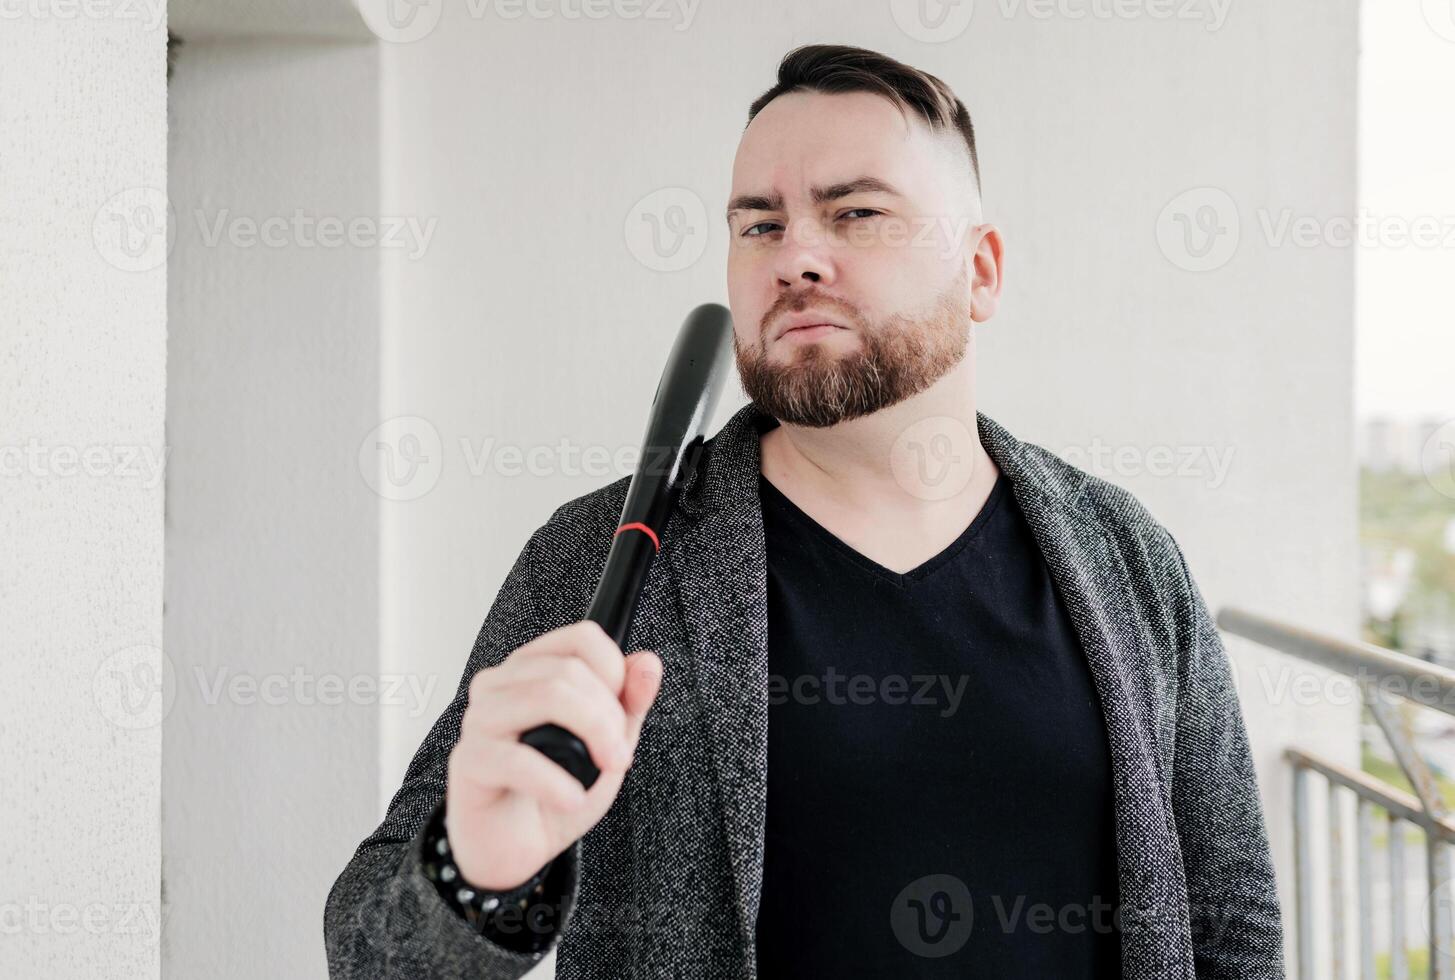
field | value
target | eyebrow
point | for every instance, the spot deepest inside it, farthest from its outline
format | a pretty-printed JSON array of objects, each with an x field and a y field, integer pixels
[{"x": 820, "y": 195}]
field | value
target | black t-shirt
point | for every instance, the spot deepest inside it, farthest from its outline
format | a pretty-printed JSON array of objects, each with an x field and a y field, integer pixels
[{"x": 939, "y": 781}]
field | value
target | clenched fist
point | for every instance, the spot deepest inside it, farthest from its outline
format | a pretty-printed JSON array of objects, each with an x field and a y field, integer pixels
[{"x": 508, "y": 808}]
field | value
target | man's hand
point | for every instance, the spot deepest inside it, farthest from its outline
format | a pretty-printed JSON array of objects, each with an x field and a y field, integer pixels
[{"x": 509, "y": 809}]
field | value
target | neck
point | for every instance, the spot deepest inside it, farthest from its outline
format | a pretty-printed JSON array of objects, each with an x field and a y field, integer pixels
[{"x": 920, "y": 455}]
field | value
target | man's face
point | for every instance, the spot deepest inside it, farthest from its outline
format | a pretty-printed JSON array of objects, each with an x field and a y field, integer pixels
[{"x": 847, "y": 212}]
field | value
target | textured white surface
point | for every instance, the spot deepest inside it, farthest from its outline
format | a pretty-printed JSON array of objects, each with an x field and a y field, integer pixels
[
  {"x": 272, "y": 531},
  {"x": 82, "y": 371},
  {"x": 530, "y": 320}
]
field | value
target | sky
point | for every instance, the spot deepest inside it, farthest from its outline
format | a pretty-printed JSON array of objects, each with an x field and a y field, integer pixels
[{"x": 1405, "y": 305}]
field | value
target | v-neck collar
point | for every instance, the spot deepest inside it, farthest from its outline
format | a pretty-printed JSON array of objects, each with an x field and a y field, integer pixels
[{"x": 903, "y": 580}]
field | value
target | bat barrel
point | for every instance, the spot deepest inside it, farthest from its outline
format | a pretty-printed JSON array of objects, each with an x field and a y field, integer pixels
[{"x": 686, "y": 397}]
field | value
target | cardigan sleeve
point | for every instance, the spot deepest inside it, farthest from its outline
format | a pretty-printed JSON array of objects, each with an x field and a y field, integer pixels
[
  {"x": 383, "y": 917},
  {"x": 1232, "y": 893}
]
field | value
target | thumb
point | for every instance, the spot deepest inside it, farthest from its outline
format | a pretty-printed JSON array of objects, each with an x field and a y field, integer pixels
[{"x": 643, "y": 681}]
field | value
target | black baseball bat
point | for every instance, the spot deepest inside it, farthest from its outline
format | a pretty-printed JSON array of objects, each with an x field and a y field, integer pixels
[{"x": 686, "y": 397}]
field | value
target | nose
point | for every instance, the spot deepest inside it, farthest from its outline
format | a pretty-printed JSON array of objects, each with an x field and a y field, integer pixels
[{"x": 804, "y": 259}]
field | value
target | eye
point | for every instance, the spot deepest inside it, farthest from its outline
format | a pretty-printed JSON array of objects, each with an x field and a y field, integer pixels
[{"x": 749, "y": 232}]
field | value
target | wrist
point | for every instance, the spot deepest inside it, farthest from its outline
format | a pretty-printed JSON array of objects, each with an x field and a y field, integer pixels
[
  {"x": 475, "y": 903},
  {"x": 473, "y": 861}
]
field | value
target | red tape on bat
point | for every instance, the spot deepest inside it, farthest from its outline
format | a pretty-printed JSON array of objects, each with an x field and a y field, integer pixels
[{"x": 639, "y": 526}]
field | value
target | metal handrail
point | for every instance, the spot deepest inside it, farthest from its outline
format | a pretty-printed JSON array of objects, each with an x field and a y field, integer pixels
[
  {"x": 1428, "y": 684},
  {"x": 1379, "y": 673}
]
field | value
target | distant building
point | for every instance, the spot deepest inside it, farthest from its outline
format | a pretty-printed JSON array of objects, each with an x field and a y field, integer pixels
[{"x": 1384, "y": 443}]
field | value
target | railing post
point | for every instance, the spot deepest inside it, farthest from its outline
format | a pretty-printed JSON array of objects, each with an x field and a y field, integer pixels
[
  {"x": 1303, "y": 873},
  {"x": 1399, "y": 967},
  {"x": 1366, "y": 890},
  {"x": 1439, "y": 882},
  {"x": 1338, "y": 937},
  {"x": 1418, "y": 682}
]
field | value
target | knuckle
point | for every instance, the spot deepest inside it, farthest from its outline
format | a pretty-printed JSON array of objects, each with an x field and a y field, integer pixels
[
  {"x": 455, "y": 763},
  {"x": 520, "y": 763},
  {"x": 480, "y": 683},
  {"x": 578, "y": 672},
  {"x": 597, "y": 640},
  {"x": 557, "y": 689}
]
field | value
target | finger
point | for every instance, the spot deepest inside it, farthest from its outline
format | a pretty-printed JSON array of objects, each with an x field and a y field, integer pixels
[
  {"x": 518, "y": 768},
  {"x": 544, "y": 667},
  {"x": 587, "y": 710},
  {"x": 585, "y": 640},
  {"x": 643, "y": 683}
]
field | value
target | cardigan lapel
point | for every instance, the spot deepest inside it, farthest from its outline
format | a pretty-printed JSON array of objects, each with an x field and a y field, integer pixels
[
  {"x": 720, "y": 567},
  {"x": 719, "y": 564},
  {"x": 1093, "y": 583}
]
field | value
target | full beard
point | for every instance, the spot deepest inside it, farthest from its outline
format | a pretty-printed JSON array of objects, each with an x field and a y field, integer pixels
[{"x": 894, "y": 360}]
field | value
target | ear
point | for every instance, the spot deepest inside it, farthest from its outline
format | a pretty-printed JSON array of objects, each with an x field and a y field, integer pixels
[{"x": 987, "y": 259}]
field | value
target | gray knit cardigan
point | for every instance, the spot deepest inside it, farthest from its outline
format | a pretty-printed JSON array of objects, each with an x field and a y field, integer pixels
[{"x": 667, "y": 883}]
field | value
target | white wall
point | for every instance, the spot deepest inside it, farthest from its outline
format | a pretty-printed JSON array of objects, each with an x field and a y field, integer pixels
[
  {"x": 82, "y": 375},
  {"x": 532, "y": 318},
  {"x": 272, "y": 546}
]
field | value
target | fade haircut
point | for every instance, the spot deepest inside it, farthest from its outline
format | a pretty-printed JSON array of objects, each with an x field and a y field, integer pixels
[{"x": 833, "y": 69}]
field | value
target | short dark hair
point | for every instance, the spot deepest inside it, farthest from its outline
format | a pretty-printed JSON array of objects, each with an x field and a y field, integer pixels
[{"x": 837, "y": 68}]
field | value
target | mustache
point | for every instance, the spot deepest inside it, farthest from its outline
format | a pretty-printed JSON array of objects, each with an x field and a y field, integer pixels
[{"x": 799, "y": 302}]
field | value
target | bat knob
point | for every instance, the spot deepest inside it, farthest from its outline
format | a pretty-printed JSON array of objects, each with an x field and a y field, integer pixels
[{"x": 565, "y": 750}]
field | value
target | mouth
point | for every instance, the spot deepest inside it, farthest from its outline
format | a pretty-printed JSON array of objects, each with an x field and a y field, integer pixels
[
  {"x": 804, "y": 326},
  {"x": 810, "y": 331}
]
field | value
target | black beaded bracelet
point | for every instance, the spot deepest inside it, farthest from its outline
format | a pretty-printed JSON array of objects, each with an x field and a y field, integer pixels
[{"x": 481, "y": 908}]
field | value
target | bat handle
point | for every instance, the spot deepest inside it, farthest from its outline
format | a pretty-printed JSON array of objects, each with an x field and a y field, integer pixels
[
  {"x": 611, "y": 609},
  {"x": 565, "y": 750}
]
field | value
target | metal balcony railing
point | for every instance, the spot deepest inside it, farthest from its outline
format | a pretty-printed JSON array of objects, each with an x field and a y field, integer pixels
[{"x": 1382, "y": 677}]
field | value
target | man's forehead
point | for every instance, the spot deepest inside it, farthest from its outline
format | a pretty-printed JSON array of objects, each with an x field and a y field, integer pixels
[
  {"x": 821, "y": 114},
  {"x": 805, "y": 139}
]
